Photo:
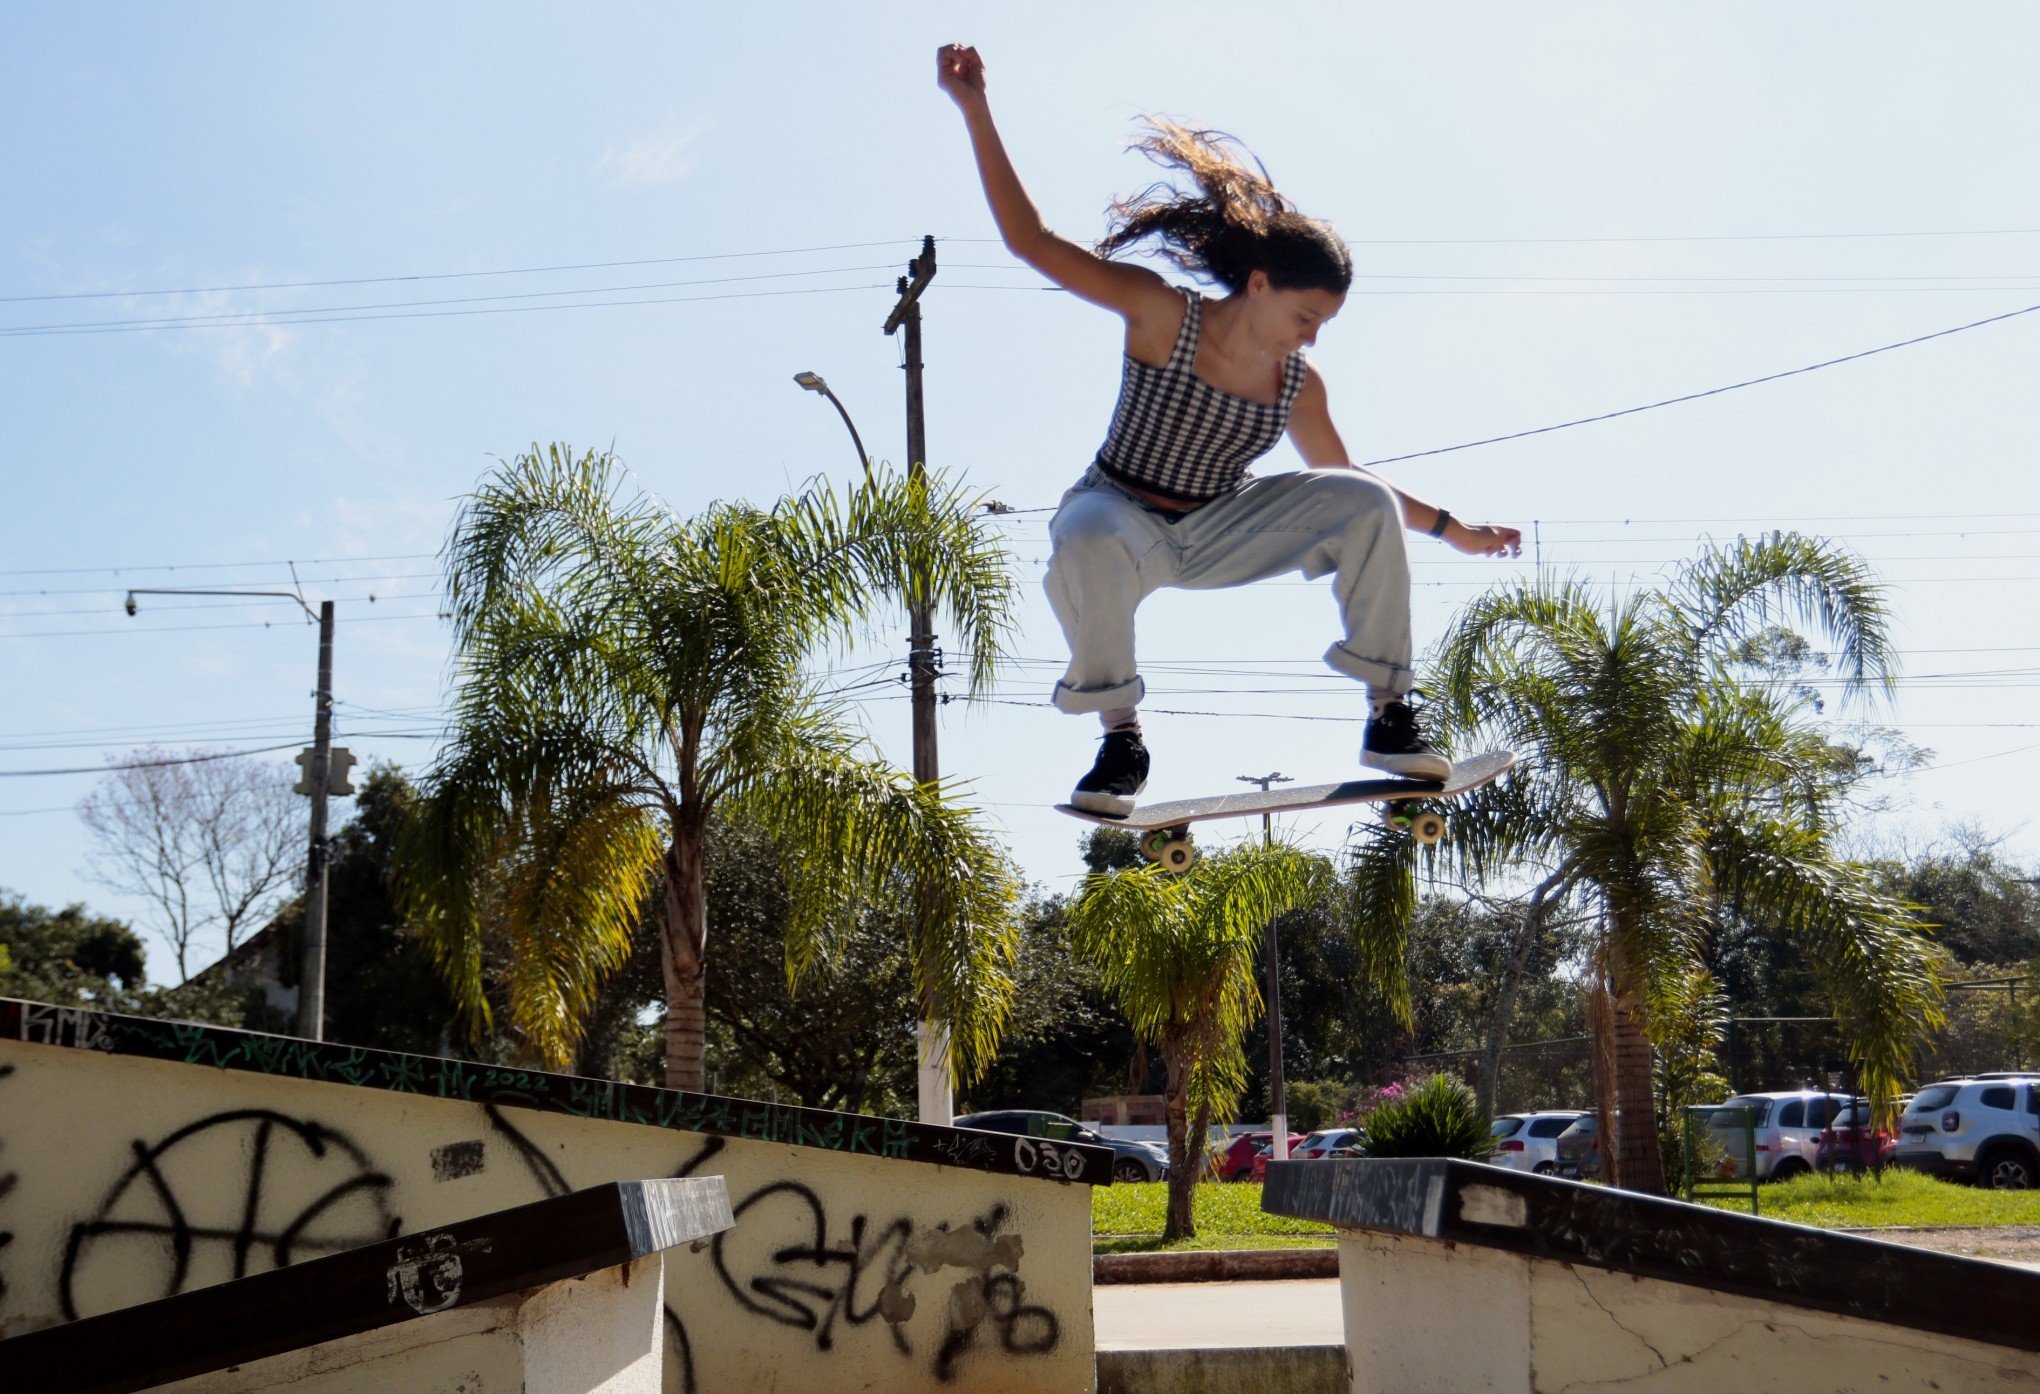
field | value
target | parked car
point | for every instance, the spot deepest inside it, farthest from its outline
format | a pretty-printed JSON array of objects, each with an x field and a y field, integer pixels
[
  {"x": 1788, "y": 1125},
  {"x": 1319, "y": 1145},
  {"x": 1981, "y": 1128},
  {"x": 1132, "y": 1160},
  {"x": 1577, "y": 1153},
  {"x": 1236, "y": 1161},
  {"x": 1312, "y": 1147},
  {"x": 1850, "y": 1143},
  {"x": 1529, "y": 1141}
]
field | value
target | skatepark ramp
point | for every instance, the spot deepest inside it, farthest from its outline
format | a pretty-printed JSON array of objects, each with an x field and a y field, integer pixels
[
  {"x": 141, "y": 1159},
  {"x": 558, "y": 1296},
  {"x": 1457, "y": 1276}
]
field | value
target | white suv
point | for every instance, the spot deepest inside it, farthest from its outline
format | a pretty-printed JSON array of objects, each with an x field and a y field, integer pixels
[
  {"x": 1529, "y": 1141},
  {"x": 1981, "y": 1128}
]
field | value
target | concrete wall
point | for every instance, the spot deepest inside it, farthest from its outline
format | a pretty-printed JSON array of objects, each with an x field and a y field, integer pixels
[
  {"x": 124, "y": 1179},
  {"x": 598, "y": 1334},
  {"x": 1426, "y": 1315}
]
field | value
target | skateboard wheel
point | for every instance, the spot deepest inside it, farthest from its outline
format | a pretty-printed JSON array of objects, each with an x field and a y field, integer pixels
[
  {"x": 1398, "y": 820},
  {"x": 1428, "y": 828},
  {"x": 1179, "y": 855},
  {"x": 1153, "y": 844}
]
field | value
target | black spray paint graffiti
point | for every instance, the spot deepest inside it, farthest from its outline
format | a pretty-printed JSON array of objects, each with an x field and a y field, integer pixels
[
  {"x": 233, "y": 1193},
  {"x": 797, "y": 1276},
  {"x": 243, "y": 1191}
]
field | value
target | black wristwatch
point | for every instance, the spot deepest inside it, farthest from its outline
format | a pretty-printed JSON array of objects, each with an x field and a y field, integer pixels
[{"x": 1444, "y": 522}]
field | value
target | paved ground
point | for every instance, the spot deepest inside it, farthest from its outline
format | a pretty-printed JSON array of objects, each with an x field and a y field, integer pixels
[
  {"x": 2018, "y": 1244},
  {"x": 1185, "y": 1316}
]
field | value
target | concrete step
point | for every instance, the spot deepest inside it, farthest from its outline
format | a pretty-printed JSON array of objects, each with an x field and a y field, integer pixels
[{"x": 1236, "y": 1370}]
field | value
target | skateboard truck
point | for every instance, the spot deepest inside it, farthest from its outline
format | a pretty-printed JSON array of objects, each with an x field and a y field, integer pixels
[
  {"x": 1171, "y": 847},
  {"x": 1426, "y": 827}
]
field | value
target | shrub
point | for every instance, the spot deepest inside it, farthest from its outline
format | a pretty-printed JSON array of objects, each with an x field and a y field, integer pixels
[
  {"x": 1435, "y": 1117},
  {"x": 1313, "y": 1104}
]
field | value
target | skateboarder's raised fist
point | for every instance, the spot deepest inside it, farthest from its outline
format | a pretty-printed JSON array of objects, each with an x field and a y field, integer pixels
[{"x": 960, "y": 72}]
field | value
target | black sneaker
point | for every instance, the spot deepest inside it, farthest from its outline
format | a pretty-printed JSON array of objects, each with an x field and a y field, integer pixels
[
  {"x": 1395, "y": 742},
  {"x": 1120, "y": 773}
]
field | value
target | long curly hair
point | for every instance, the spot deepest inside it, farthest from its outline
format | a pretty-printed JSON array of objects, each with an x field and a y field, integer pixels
[{"x": 1234, "y": 225}]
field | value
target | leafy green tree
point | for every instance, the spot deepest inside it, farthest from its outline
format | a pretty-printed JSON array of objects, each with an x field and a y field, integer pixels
[
  {"x": 1667, "y": 791},
  {"x": 68, "y": 957},
  {"x": 622, "y": 675},
  {"x": 74, "y": 958},
  {"x": 382, "y": 988},
  {"x": 1178, "y": 954}
]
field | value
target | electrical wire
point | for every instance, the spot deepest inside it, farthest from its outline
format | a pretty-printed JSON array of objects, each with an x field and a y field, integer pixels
[
  {"x": 1710, "y": 392},
  {"x": 458, "y": 275}
]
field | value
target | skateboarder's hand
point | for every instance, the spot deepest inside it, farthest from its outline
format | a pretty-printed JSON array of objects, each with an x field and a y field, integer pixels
[
  {"x": 960, "y": 72},
  {"x": 1485, "y": 539}
]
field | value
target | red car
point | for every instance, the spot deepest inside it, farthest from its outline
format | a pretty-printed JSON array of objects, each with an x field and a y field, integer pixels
[
  {"x": 1849, "y": 1143},
  {"x": 1236, "y": 1162}
]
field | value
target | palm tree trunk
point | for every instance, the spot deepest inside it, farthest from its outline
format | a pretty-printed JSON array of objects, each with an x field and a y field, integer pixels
[
  {"x": 1183, "y": 1167},
  {"x": 683, "y": 936},
  {"x": 1634, "y": 1153}
]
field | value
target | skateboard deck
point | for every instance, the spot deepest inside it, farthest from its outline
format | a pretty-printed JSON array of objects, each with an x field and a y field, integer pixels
[{"x": 1166, "y": 825}]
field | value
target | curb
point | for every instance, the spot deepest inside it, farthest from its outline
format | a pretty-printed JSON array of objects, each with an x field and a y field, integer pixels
[
  {"x": 1253, "y": 1370},
  {"x": 1216, "y": 1266}
]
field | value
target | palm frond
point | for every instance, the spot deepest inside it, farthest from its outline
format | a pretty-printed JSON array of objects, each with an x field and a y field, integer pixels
[{"x": 1730, "y": 594}]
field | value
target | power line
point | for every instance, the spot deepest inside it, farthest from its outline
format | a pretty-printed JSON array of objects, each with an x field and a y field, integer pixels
[
  {"x": 444, "y": 314},
  {"x": 1710, "y": 392},
  {"x": 152, "y": 764},
  {"x": 195, "y": 628},
  {"x": 290, "y": 315},
  {"x": 455, "y": 275},
  {"x": 226, "y": 565}
]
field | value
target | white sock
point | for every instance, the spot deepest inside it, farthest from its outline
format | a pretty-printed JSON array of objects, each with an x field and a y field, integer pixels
[
  {"x": 1120, "y": 718},
  {"x": 1379, "y": 697}
]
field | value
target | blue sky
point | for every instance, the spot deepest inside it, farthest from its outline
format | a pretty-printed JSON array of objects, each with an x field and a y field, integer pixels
[{"x": 1557, "y": 210}]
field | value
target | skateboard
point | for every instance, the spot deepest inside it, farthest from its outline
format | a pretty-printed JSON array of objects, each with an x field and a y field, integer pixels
[{"x": 1165, "y": 827}]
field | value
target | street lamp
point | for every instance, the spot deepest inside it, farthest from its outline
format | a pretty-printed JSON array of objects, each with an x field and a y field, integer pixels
[
  {"x": 812, "y": 382},
  {"x": 318, "y": 775},
  {"x": 1278, "y": 1103}
]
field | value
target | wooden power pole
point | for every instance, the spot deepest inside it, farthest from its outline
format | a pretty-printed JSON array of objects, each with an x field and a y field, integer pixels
[{"x": 923, "y": 658}]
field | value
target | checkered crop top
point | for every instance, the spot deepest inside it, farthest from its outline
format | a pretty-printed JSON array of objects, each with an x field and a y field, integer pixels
[{"x": 1176, "y": 435}]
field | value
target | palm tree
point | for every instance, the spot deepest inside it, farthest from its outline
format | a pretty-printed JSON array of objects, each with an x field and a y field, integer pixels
[
  {"x": 1669, "y": 791},
  {"x": 1177, "y": 953},
  {"x": 620, "y": 674}
]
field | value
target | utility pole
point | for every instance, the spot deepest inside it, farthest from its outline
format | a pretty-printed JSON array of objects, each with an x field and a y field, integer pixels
[
  {"x": 318, "y": 775},
  {"x": 923, "y": 658},
  {"x": 1278, "y": 1103},
  {"x": 317, "y": 781}
]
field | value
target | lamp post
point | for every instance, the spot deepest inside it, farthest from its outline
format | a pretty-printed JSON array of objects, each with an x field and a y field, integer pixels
[
  {"x": 1278, "y": 1104},
  {"x": 812, "y": 382},
  {"x": 312, "y": 978}
]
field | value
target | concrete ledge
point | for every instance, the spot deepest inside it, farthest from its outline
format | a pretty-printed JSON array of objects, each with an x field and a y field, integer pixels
[
  {"x": 1249, "y": 1370},
  {"x": 1216, "y": 1266},
  {"x": 1542, "y": 1218}
]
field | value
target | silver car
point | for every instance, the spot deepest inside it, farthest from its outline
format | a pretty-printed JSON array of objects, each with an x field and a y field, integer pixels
[
  {"x": 1788, "y": 1126},
  {"x": 1529, "y": 1141},
  {"x": 1982, "y": 1128}
]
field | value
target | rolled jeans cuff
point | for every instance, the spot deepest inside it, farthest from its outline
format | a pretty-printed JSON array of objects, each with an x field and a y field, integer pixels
[
  {"x": 1098, "y": 699},
  {"x": 1394, "y": 678}
]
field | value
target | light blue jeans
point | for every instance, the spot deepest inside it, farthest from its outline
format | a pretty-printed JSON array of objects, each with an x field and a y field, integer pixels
[{"x": 1110, "y": 551}]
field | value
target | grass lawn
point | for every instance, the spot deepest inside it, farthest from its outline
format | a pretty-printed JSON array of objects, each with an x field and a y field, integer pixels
[
  {"x": 1128, "y": 1219},
  {"x": 1900, "y": 1198}
]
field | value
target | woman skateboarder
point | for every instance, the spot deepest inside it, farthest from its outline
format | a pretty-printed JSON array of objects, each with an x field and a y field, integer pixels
[{"x": 1208, "y": 387}]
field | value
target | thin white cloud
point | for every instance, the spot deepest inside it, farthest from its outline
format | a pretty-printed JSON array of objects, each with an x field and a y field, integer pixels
[{"x": 660, "y": 158}]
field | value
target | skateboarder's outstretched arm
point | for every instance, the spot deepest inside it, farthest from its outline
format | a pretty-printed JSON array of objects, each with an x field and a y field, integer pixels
[
  {"x": 1151, "y": 308},
  {"x": 1317, "y": 440}
]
